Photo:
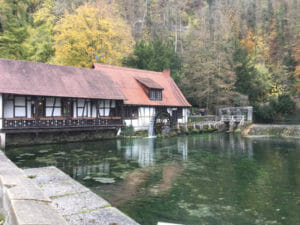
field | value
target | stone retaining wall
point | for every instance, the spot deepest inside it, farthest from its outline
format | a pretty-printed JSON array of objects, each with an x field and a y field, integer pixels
[
  {"x": 272, "y": 130},
  {"x": 21, "y": 200},
  {"x": 57, "y": 137}
]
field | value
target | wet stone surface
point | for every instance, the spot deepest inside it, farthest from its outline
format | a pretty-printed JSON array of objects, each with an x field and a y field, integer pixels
[{"x": 76, "y": 203}]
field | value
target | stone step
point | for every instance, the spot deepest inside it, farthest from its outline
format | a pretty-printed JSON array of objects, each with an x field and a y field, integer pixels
[{"x": 76, "y": 203}]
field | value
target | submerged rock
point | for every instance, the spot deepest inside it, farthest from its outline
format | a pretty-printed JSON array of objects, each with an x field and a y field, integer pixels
[{"x": 104, "y": 180}]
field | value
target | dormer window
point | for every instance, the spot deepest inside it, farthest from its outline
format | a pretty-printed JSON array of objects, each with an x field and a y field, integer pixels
[
  {"x": 151, "y": 88},
  {"x": 155, "y": 94}
]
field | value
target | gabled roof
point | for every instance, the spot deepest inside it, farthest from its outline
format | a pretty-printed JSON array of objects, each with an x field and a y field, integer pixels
[
  {"x": 31, "y": 78},
  {"x": 128, "y": 80},
  {"x": 149, "y": 83}
]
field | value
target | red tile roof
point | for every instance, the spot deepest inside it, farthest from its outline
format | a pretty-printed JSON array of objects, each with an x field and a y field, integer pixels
[
  {"x": 31, "y": 78},
  {"x": 149, "y": 83},
  {"x": 127, "y": 78}
]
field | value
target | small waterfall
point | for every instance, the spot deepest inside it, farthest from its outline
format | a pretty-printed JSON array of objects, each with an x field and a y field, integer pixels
[{"x": 151, "y": 128}]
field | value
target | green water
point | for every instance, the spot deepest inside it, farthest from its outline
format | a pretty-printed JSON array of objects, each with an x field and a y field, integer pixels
[{"x": 194, "y": 180}]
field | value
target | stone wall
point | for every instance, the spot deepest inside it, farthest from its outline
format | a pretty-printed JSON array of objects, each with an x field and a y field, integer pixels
[
  {"x": 57, "y": 137},
  {"x": 272, "y": 130},
  {"x": 21, "y": 201}
]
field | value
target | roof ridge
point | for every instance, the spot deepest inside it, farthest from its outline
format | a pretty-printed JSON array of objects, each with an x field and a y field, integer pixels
[
  {"x": 126, "y": 68},
  {"x": 42, "y": 63}
]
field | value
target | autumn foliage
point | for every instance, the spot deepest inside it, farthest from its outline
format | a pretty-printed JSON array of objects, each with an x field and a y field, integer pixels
[{"x": 87, "y": 36}]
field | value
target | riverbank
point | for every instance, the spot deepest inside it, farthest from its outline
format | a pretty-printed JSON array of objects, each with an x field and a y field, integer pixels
[{"x": 272, "y": 130}]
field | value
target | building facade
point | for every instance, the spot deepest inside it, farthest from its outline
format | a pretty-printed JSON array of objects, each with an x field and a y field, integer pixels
[
  {"x": 38, "y": 97},
  {"x": 148, "y": 94}
]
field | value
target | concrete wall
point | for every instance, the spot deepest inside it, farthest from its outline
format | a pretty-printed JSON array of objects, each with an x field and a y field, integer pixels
[{"x": 22, "y": 201}]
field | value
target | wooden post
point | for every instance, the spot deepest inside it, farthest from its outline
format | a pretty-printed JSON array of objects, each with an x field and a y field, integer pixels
[
  {"x": 36, "y": 116},
  {"x": 2, "y": 135},
  {"x": 1, "y": 111}
]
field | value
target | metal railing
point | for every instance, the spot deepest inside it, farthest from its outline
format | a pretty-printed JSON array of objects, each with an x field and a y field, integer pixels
[{"x": 21, "y": 123}]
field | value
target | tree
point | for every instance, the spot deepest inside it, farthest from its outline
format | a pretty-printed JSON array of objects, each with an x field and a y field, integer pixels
[
  {"x": 209, "y": 71},
  {"x": 88, "y": 36},
  {"x": 155, "y": 56},
  {"x": 40, "y": 41},
  {"x": 14, "y": 29}
]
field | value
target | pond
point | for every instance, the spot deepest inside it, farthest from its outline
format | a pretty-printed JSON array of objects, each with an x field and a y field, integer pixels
[{"x": 191, "y": 180}]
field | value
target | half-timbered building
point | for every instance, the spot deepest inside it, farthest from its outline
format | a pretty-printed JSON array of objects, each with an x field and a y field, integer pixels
[
  {"x": 148, "y": 94},
  {"x": 37, "y": 97},
  {"x": 40, "y": 98}
]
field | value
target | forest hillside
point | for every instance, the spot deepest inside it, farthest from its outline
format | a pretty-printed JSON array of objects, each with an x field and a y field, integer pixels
[{"x": 220, "y": 52}]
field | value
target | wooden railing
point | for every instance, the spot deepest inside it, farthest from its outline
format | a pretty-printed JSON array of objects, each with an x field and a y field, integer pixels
[{"x": 60, "y": 122}]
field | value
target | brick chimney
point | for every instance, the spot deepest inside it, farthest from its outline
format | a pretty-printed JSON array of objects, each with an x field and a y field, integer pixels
[{"x": 166, "y": 73}]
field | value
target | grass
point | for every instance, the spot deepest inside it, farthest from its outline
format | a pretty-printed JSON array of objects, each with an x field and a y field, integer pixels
[{"x": 1, "y": 219}]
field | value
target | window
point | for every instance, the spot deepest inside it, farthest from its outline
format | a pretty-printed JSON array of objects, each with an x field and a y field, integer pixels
[
  {"x": 82, "y": 108},
  {"x": 53, "y": 107},
  {"x": 20, "y": 106},
  {"x": 130, "y": 112},
  {"x": 17, "y": 106},
  {"x": 67, "y": 108},
  {"x": 155, "y": 94},
  {"x": 179, "y": 113},
  {"x": 106, "y": 107}
]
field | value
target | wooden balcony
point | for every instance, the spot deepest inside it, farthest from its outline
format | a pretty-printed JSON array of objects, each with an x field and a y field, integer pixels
[{"x": 60, "y": 124}]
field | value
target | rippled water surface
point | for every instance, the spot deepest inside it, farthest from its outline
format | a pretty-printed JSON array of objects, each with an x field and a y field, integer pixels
[{"x": 194, "y": 180}]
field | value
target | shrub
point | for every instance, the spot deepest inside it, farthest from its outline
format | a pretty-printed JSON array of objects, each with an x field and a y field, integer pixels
[
  {"x": 128, "y": 131},
  {"x": 276, "y": 109}
]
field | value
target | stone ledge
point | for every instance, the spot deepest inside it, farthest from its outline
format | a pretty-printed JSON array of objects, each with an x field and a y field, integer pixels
[
  {"x": 104, "y": 216},
  {"x": 22, "y": 200},
  {"x": 76, "y": 203}
]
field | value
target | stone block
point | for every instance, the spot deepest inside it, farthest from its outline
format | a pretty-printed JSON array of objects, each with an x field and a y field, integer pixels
[
  {"x": 26, "y": 191},
  {"x": 46, "y": 175},
  {"x": 35, "y": 213},
  {"x": 82, "y": 202},
  {"x": 68, "y": 187},
  {"x": 104, "y": 216},
  {"x": 55, "y": 183}
]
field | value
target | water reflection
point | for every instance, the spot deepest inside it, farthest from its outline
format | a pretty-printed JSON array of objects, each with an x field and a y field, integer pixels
[
  {"x": 86, "y": 170},
  {"x": 203, "y": 179},
  {"x": 141, "y": 150},
  {"x": 182, "y": 146}
]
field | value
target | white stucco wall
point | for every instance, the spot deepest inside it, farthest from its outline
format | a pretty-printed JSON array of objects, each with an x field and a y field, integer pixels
[
  {"x": 28, "y": 109},
  {"x": 8, "y": 109},
  {"x": 147, "y": 113},
  {"x": 184, "y": 118}
]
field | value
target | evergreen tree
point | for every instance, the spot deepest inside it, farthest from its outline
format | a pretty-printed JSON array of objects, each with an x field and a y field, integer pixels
[
  {"x": 14, "y": 29},
  {"x": 155, "y": 56}
]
